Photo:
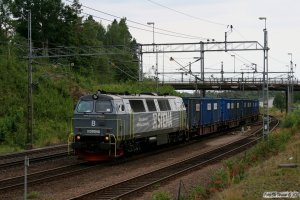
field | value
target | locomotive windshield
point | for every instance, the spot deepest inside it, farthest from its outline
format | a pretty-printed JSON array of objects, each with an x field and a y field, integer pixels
[
  {"x": 103, "y": 106},
  {"x": 85, "y": 106}
]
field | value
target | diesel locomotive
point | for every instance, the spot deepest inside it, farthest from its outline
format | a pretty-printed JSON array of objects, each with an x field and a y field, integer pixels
[{"x": 110, "y": 125}]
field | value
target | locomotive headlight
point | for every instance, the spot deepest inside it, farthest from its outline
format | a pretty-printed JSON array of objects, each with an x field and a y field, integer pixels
[
  {"x": 77, "y": 137},
  {"x": 106, "y": 138}
]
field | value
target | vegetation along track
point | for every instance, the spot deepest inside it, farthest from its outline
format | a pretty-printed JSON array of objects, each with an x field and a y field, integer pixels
[
  {"x": 139, "y": 183},
  {"x": 35, "y": 155}
]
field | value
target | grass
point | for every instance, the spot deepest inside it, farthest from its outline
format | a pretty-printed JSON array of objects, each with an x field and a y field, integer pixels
[
  {"x": 256, "y": 171},
  {"x": 267, "y": 176},
  {"x": 199, "y": 192},
  {"x": 161, "y": 195},
  {"x": 33, "y": 195},
  {"x": 9, "y": 148}
]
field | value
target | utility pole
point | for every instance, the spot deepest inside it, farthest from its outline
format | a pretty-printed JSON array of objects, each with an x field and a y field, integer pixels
[
  {"x": 233, "y": 63},
  {"x": 222, "y": 72},
  {"x": 26, "y": 165},
  {"x": 141, "y": 73},
  {"x": 265, "y": 83},
  {"x": 156, "y": 55},
  {"x": 29, "y": 138},
  {"x": 290, "y": 85},
  {"x": 202, "y": 65}
]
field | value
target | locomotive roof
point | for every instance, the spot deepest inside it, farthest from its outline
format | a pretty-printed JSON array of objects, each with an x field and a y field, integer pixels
[{"x": 119, "y": 96}]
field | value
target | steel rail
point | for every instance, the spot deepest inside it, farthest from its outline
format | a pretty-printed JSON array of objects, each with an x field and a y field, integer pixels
[
  {"x": 20, "y": 162},
  {"x": 35, "y": 155},
  {"x": 42, "y": 176}
]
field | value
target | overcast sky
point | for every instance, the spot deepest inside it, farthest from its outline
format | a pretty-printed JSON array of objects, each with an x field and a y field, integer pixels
[{"x": 209, "y": 19}]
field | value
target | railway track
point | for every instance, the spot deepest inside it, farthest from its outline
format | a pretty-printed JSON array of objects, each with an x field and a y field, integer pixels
[
  {"x": 43, "y": 176},
  {"x": 53, "y": 174},
  {"x": 35, "y": 155},
  {"x": 133, "y": 185},
  {"x": 61, "y": 172}
]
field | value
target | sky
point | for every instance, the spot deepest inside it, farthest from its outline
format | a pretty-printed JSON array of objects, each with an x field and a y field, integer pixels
[{"x": 208, "y": 19}]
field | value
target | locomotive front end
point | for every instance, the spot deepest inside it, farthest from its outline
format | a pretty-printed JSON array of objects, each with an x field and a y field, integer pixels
[{"x": 94, "y": 128}]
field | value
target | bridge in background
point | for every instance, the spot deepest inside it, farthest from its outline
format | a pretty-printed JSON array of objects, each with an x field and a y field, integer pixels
[{"x": 233, "y": 84}]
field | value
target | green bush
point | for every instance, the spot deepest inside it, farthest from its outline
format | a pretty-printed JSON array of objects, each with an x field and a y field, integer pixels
[
  {"x": 136, "y": 88},
  {"x": 161, "y": 195},
  {"x": 198, "y": 192},
  {"x": 291, "y": 119},
  {"x": 219, "y": 181},
  {"x": 33, "y": 195}
]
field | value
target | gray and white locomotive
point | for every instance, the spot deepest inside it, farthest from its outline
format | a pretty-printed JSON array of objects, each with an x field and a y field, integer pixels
[{"x": 110, "y": 125}]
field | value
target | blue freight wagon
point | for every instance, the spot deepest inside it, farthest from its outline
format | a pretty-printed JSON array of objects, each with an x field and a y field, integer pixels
[
  {"x": 239, "y": 107},
  {"x": 230, "y": 112},
  {"x": 204, "y": 114},
  {"x": 255, "y": 108}
]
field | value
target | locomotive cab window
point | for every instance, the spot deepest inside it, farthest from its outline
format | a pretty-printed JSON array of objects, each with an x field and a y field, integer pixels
[
  {"x": 151, "y": 105},
  {"x": 137, "y": 105},
  {"x": 85, "y": 106},
  {"x": 164, "y": 105},
  {"x": 103, "y": 106}
]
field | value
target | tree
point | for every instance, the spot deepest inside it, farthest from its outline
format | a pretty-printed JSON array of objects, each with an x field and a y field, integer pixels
[
  {"x": 297, "y": 97},
  {"x": 279, "y": 101},
  {"x": 71, "y": 25},
  {"x": 92, "y": 34},
  {"x": 45, "y": 16},
  {"x": 5, "y": 21},
  {"x": 125, "y": 61},
  {"x": 52, "y": 22}
]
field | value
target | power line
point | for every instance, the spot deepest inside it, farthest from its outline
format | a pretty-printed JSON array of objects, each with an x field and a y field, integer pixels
[
  {"x": 239, "y": 57},
  {"x": 240, "y": 34},
  {"x": 277, "y": 60},
  {"x": 141, "y": 24},
  {"x": 188, "y": 15},
  {"x": 125, "y": 72},
  {"x": 145, "y": 29}
]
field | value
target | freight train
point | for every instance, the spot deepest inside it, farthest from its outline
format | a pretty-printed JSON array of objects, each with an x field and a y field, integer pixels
[{"x": 108, "y": 125}]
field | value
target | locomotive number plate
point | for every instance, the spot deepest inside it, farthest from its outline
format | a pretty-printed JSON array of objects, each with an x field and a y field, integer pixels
[{"x": 93, "y": 131}]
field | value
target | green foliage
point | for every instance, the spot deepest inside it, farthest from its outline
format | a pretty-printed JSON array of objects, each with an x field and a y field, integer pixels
[
  {"x": 233, "y": 94},
  {"x": 198, "y": 192},
  {"x": 5, "y": 148},
  {"x": 219, "y": 180},
  {"x": 291, "y": 120},
  {"x": 296, "y": 96},
  {"x": 56, "y": 24},
  {"x": 45, "y": 18},
  {"x": 59, "y": 82},
  {"x": 12, "y": 95},
  {"x": 33, "y": 195},
  {"x": 279, "y": 101},
  {"x": 161, "y": 195},
  {"x": 136, "y": 88},
  {"x": 234, "y": 170},
  {"x": 5, "y": 21}
]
